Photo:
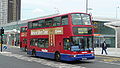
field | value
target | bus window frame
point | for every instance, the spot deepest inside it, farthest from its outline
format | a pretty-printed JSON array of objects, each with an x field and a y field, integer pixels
[
  {"x": 30, "y": 25},
  {"x": 67, "y": 19},
  {"x": 35, "y": 22},
  {"x": 35, "y": 42},
  {"x": 90, "y": 23},
  {"x": 42, "y": 23},
  {"x": 48, "y": 20},
  {"x": 56, "y": 23},
  {"x": 21, "y": 29}
]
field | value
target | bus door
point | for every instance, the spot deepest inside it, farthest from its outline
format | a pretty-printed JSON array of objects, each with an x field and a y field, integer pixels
[
  {"x": 52, "y": 42},
  {"x": 88, "y": 43},
  {"x": 58, "y": 43},
  {"x": 55, "y": 41}
]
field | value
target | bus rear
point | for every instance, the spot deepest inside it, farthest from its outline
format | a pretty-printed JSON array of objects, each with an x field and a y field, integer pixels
[{"x": 23, "y": 38}]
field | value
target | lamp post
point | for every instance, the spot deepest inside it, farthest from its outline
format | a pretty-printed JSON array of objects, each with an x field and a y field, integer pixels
[
  {"x": 117, "y": 11},
  {"x": 89, "y": 9},
  {"x": 86, "y": 6},
  {"x": 57, "y": 10}
]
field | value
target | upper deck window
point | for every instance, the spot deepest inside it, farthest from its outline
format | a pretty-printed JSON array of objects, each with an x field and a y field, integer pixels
[
  {"x": 57, "y": 21},
  {"x": 35, "y": 24},
  {"x": 24, "y": 29},
  {"x": 29, "y": 25},
  {"x": 48, "y": 22},
  {"x": 65, "y": 20},
  {"x": 41, "y": 23},
  {"x": 80, "y": 19}
]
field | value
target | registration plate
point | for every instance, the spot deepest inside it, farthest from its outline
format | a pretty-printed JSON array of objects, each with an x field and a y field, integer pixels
[{"x": 84, "y": 58}]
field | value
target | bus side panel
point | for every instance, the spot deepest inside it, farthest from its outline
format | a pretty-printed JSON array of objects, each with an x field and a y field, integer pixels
[
  {"x": 59, "y": 43},
  {"x": 28, "y": 44},
  {"x": 45, "y": 54},
  {"x": 42, "y": 54},
  {"x": 68, "y": 57}
]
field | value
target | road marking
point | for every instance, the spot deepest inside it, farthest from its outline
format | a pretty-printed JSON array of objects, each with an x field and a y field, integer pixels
[
  {"x": 102, "y": 56},
  {"x": 109, "y": 59},
  {"x": 41, "y": 61},
  {"x": 109, "y": 63}
]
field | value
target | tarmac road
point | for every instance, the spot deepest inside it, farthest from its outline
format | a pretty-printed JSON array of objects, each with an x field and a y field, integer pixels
[{"x": 27, "y": 60}]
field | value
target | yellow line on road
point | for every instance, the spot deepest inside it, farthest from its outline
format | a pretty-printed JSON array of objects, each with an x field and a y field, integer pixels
[{"x": 111, "y": 59}]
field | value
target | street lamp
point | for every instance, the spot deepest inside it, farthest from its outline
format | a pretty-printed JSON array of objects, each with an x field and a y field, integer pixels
[
  {"x": 86, "y": 6},
  {"x": 89, "y": 9},
  {"x": 57, "y": 10},
  {"x": 117, "y": 11}
]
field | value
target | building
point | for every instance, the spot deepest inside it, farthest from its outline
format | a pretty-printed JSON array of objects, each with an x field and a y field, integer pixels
[
  {"x": 14, "y": 8},
  {"x": 116, "y": 26},
  {"x": 10, "y": 11},
  {"x": 104, "y": 31},
  {"x": 12, "y": 30},
  {"x": 3, "y": 11},
  {"x": 112, "y": 37}
]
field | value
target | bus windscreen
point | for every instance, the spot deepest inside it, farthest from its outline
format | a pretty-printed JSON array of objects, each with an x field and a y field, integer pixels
[{"x": 80, "y": 19}]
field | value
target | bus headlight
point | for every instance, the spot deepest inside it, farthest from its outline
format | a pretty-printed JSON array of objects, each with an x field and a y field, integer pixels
[{"x": 74, "y": 55}]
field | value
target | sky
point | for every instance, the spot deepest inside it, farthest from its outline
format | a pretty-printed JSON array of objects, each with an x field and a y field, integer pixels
[{"x": 100, "y": 8}]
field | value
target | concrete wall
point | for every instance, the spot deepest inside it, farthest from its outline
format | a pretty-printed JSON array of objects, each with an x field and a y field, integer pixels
[{"x": 118, "y": 37}]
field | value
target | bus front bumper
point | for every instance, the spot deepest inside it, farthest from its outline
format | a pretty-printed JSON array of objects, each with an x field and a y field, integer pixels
[{"x": 66, "y": 57}]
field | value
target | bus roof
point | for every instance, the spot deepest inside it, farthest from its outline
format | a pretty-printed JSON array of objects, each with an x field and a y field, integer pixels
[{"x": 57, "y": 16}]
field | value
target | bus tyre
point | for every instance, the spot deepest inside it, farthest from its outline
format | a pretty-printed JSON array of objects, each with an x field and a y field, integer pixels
[
  {"x": 57, "y": 56},
  {"x": 33, "y": 52}
]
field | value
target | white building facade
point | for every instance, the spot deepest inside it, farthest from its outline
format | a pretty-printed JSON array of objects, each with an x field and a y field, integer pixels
[
  {"x": 10, "y": 11},
  {"x": 3, "y": 11}
]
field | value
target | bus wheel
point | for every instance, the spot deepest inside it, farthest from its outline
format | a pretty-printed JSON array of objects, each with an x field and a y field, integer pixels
[
  {"x": 33, "y": 52},
  {"x": 57, "y": 56}
]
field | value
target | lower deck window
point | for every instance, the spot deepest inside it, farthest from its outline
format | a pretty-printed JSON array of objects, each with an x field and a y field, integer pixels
[{"x": 39, "y": 42}]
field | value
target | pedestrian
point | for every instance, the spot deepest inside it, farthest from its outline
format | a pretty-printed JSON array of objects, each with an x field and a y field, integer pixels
[
  {"x": 15, "y": 43},
  {"x": 104, "y": 47}
]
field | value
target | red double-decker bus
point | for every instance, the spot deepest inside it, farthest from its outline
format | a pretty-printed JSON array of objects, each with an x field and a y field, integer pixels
[
  {"x": 23, "y": 38},
  {"x": 67, "y": 37}
]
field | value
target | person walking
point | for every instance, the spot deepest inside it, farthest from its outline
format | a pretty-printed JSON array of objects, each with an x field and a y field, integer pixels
[{"x": 104, "y": 47}]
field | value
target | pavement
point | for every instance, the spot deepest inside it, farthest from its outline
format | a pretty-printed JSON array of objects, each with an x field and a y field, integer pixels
[
  {"x": 113, "y": 52},
  {"x": 7, "y": 47}
]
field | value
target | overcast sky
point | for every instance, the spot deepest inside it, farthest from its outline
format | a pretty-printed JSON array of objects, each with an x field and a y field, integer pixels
[{"x": 38, "y": 8}]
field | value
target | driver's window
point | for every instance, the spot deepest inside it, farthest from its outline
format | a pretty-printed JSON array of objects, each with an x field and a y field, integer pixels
[{"x": 66, "y": 43}]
